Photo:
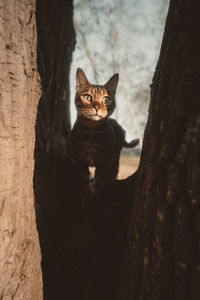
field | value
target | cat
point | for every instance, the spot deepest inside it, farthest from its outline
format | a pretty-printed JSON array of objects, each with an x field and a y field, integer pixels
[{"x": 97, "y": 139}]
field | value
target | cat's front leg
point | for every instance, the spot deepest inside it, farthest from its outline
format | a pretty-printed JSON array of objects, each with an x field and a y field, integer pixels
[{"x": 105, "y": 174}]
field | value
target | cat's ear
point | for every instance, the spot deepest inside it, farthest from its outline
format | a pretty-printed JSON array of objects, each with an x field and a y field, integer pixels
[
  {"x": 81, "y": 79},
  {"x": 111, "y": 84}
]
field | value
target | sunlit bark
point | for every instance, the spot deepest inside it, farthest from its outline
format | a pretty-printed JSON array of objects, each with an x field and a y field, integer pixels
[{"x": 20, "y": 271}]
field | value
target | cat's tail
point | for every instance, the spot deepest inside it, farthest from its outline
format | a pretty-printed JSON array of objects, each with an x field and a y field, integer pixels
[{"x": 132, "y": 144}]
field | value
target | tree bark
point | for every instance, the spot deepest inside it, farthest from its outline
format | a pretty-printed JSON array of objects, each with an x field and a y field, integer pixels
[
  {"x": 20, "y": 272},
  {"x": 53, "y": 170},
  {"x": 163, "y": 254}
]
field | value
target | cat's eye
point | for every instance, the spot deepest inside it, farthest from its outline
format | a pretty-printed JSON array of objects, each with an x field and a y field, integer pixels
[
  {"x": 106, "y": 100},
  {"x": 87, "y": 98}
]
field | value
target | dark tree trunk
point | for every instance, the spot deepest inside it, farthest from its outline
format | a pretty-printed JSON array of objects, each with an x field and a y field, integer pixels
[
  {"x": 52, "y": 175},
  {"x": 163, "y": 257}
]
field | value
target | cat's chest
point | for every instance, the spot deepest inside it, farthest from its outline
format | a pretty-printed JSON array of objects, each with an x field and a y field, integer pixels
[{"x": 95, "y": 144}]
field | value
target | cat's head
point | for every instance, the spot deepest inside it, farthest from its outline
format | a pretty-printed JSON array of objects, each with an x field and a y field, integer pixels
[{"x": 95, "y": 102}]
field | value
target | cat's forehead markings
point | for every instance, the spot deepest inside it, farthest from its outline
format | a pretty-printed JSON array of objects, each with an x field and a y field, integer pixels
[
  {"x": 103, "y": 92},
  {"x": 98, "y": 90}
]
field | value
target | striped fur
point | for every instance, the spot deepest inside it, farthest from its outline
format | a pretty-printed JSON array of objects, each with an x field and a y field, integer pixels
[{"x": 97, "y": 139}]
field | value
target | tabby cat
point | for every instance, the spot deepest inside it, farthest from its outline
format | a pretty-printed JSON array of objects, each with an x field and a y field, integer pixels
[{"x": 97, "y": 140}]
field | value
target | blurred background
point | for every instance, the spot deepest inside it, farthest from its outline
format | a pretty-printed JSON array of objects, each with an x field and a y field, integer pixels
[{"x": 122, "y": 36}]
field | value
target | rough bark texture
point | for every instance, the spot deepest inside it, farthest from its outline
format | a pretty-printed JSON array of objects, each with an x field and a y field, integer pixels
[
  {"x": 163, "y": 257},
  {"x": 20, "y": 272}
]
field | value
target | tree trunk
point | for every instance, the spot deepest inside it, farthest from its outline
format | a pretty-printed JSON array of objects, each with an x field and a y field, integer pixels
[
  {"x": 163, "y": 256},
  {"x": 53, "y": 170},
  {"x": 20, "y": 273}
]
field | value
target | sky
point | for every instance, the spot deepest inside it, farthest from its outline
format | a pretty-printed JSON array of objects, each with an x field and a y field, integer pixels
[{"x": 121, "y": 36}]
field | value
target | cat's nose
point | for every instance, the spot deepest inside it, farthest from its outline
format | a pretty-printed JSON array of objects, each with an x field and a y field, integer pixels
[{"x": 96, "y": 105}]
